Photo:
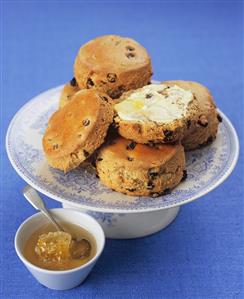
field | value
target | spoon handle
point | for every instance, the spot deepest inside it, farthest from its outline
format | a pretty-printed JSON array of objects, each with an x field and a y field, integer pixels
[{"x": 35, "y": 200}]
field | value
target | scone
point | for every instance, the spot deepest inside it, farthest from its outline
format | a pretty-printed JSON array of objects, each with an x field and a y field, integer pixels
[
  {"x": 156, "y": 113},
  {"x": 139, "y": 169},
  {"x": 67, "y": 92},
  {"x": 75, "y": 131},
  {"x": 112, "y": 64},
  {"x": 203, "y": 130}
]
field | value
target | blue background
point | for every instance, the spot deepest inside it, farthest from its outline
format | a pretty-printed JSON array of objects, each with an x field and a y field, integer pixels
[{"x": 201, "y": 254}]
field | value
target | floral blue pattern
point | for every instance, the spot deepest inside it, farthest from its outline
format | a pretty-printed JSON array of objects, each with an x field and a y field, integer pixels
[
  {"x": 206, "y": 168},
  {"x": 108, "y": 219},
  {"x": 41, "y": 121}
]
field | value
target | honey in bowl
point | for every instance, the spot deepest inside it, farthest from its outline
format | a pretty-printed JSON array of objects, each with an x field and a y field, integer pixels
[{"x": 51, "y": 250}]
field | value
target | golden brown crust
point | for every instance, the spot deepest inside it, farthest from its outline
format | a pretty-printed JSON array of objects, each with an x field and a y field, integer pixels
[
  {"x": 112, "y": 64},
  {"x": 77, "y": 129},
  {"x": 67, "y": 93},
  {"x": 140, "y": 170},
  {"x": 203, "y": 129},
  {"x": 147, "y": 132},
  {"x": 150, "y": 132}
]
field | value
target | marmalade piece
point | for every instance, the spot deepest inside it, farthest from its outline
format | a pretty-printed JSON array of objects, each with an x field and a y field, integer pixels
[{"x": 53, "y": 247}]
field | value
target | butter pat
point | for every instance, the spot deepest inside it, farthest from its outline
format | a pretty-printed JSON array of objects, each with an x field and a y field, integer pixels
[{"x": 155, "y": 102}]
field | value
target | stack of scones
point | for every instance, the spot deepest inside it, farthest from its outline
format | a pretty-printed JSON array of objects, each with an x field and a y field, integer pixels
[{"x": 134, "y": 132}]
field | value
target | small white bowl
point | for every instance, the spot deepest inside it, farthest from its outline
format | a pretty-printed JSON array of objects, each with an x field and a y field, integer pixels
[{"x": 60, "y": 280}]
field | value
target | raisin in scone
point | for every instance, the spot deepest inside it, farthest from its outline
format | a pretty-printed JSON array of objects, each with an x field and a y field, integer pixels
[
  {"x": 203, "y": 130},
  {"x": 67, "y": 93},
  {"x": 139, "y": 169},
  {"x": 75, "y": 131},
  {"x": 156, "y": 113},
  {"x": 112, "y": 64}
]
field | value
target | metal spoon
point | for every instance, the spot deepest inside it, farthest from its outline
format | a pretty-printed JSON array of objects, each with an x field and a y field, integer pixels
[{"x": 79, "y": 248}]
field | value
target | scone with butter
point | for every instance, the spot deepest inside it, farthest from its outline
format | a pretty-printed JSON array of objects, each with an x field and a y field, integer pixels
[
  {"x": 112, "y": 64},
  {"x": 76, "y": 130},
  {"x": 203, "y": 130},
  {"x": 68, "y": 91},
  {"x": 139, "y": 169},
  {"x": 156, "y": 113}
]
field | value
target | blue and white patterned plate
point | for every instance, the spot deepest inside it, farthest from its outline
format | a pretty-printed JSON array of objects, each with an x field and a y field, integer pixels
[{"x": 207, "y": 168}]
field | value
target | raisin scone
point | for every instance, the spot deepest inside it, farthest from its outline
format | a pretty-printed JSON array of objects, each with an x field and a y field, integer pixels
[
  {"x": 75, "y": 131},
  {"x": 112, "y": 64},
  {"x": 156, "y": 113},
  {"x": 203, "y": 130},
  {"x": 139, "y": 169},
  {"x": 67, "y": 93}
]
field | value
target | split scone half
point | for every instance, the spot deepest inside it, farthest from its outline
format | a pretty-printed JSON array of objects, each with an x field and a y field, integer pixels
[
  {"x": 203, "y": 129},
  {"x": 156, "y": 113},
  {"x": 112, "y": 64},
  {"x": 75, "y": 131},
  {"x": 69, "y": 89},
  {"x": 139, "y": 169}
]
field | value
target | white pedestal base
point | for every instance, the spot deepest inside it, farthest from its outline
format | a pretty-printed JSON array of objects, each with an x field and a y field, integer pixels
[{"x": 131, "y": 225}]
